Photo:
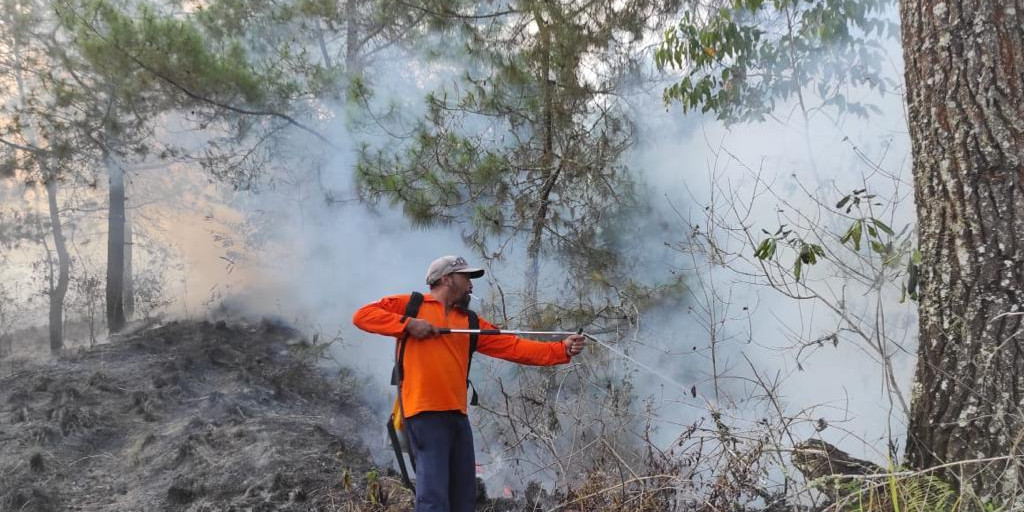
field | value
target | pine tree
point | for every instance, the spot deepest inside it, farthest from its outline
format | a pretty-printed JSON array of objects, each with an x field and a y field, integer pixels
[{"x": 527, "y": 149}]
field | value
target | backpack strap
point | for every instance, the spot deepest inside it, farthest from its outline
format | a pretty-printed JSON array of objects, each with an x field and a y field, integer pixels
[
  {"x": 412, "y": 308},
  {"x": 474, "y": 323}
]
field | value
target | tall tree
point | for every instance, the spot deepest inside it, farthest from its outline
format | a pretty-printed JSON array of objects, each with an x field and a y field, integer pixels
[
  {"x": 964, "y": 68},
  {"x": 132, "y": 66},
  {"x": 527, "y": 147},
  {"x": 38, "y": 130},
  {"x": 965, "y": 92}
]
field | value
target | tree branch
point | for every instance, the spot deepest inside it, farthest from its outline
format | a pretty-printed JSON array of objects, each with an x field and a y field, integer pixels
[
  {"x": 30, "y": 149},
  {"x": 452, "y": 14},
  {"x": 203, "y": 99}
]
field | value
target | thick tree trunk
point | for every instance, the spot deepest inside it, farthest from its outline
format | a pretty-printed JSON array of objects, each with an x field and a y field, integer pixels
[
  {"x": 965, "y": 91},
  {"x": 115, "y": 247},
  {"x": 59, "y": 289}
]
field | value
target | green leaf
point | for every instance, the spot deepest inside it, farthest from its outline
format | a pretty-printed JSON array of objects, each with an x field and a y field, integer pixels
[
  {"x": 766, "y": 249},
  {"x": 761, "y": 248},
  {"x": 853, "y": 234},
  {"x": 882, "y": 226}
]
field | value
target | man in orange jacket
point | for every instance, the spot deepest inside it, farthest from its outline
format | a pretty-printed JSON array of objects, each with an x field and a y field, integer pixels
[{"x": 435, "y": 372}]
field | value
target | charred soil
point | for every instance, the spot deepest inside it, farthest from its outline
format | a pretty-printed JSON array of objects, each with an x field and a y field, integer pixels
[{"x": 186, "y": 416}]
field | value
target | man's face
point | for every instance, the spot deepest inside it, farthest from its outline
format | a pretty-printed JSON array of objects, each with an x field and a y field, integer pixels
[{"x": 461, "y": 286}]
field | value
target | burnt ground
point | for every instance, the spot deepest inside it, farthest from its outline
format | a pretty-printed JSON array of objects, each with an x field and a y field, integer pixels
[{"x": 189, "y": 416}]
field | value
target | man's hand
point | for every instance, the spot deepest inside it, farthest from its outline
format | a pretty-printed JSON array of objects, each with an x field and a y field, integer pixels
[
  {"x": 421, "y": 329},
  {"x": 574, "y": 344}
]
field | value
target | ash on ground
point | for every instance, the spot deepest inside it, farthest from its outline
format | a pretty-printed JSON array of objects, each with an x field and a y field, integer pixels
[{"x": 190, "y": 416}]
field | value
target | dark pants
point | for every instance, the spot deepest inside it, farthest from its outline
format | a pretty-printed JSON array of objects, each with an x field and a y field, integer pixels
[{"x": 442, "y": 443}]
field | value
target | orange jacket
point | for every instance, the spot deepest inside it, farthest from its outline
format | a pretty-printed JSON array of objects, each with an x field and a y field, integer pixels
[{"x": 435, "y": 368}]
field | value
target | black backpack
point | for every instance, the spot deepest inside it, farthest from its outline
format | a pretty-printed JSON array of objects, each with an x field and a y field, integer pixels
[{"x": 397, "y": 376}]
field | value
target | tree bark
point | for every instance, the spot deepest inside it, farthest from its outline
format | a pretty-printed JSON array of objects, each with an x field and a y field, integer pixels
[
  {"x": 965, "y": 93},
  {"x": 59, "y": 290},
  {"x": 115, "y": 246}
]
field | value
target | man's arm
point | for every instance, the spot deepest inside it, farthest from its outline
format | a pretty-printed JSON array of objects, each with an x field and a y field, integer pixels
[
  {"x": 385, "y": 317},
  {"x": 524, "y": 351}
]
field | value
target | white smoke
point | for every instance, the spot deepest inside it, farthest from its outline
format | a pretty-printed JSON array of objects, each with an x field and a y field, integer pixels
[{"x": 321, "y": 254}]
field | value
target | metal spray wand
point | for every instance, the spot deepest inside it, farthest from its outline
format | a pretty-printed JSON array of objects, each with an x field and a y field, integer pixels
[{"x": 568, "y": 333}]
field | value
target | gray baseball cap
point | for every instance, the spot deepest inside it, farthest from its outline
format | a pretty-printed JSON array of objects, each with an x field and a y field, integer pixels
[{"x": 451, "y": 265}]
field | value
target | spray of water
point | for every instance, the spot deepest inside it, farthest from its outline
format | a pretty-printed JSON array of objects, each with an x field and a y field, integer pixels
[{"x": 633, "y": 360}]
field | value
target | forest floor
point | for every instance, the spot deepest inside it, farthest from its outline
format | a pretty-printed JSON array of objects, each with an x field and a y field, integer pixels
[{"x": 189, "y": 416}]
